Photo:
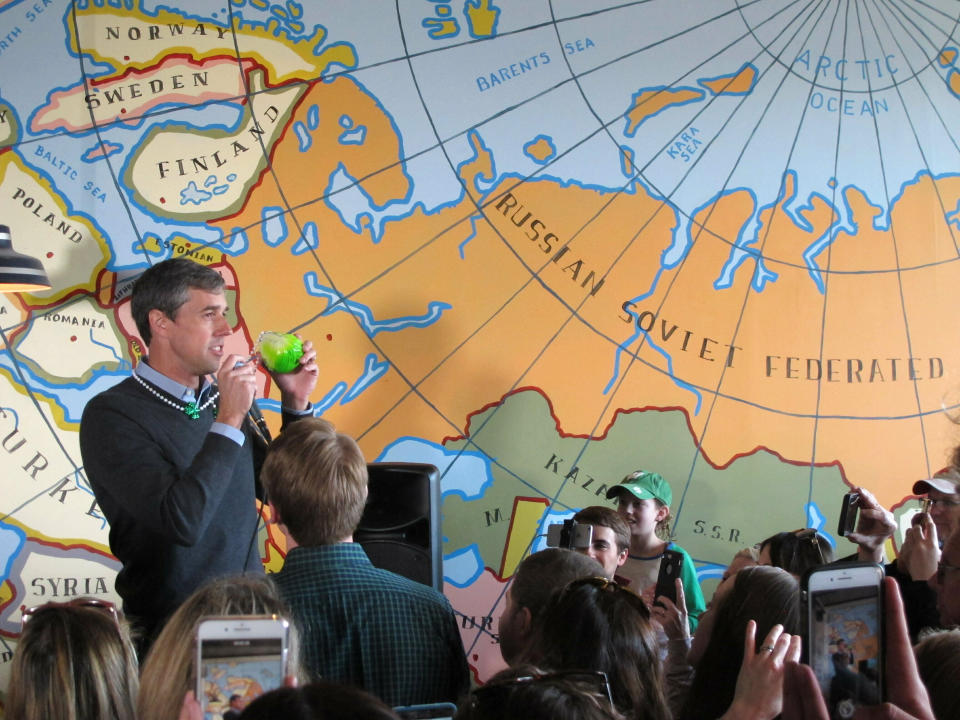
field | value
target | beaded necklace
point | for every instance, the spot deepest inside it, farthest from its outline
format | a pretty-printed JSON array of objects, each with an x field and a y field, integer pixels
[{"x": 190, "y": 409}]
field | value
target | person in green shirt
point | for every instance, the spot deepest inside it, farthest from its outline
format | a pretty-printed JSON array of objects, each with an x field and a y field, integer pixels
[{"x": 644, "y": 502}]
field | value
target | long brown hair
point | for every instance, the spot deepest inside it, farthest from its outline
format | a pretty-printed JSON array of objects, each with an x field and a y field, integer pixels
[
  {"x": 765, "y": 594},
  {"x": 595, "y": 624}
]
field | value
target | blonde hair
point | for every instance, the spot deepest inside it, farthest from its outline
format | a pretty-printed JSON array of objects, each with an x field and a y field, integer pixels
[
  {"x": 169, "y": 668},
  {"x": 938, "y": 661},
  {"x": 316, "y": 478},
  {"x": 73, "y": 662}
]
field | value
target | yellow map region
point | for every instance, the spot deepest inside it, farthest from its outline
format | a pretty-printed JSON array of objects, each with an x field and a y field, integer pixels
[
  {"x": 135, "y": 39},
  {"x": 524, "y": 521}
]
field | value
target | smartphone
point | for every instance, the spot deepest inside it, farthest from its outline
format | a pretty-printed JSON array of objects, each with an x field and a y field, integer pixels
[
  {"x": 239, "y": 658},
  {"x": 844, "y": 634},
  {"x": 570, "y": 534},
  {"x": 670, "y": 565},
  {"x": 432, "y": 711},
  {"x": 849, "y": 509}
]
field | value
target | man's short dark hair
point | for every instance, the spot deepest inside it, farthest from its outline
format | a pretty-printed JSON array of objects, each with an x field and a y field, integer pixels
[
  {"x": 166, "y": 286},
  {"x": 607, "y": 517},
  {"x": 540, "y": 574}
]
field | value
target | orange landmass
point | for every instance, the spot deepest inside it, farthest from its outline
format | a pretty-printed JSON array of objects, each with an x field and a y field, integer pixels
[
  {"x": 539, "y": 150},
  {"x": 953, "y": 82},
  {"x": 520, "y": 319},
  {"x": 732, "y": 84},
  {"x": 649, "y": 102}
]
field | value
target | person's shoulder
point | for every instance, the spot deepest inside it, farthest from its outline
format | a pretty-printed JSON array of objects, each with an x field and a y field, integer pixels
[
  {"x": 120, "y": 392},
  {"x": 394, "y": 583},
  {"x": 119, "y": 397}
]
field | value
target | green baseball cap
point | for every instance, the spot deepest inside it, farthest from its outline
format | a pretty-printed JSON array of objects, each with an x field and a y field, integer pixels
[{"x": 644, "y": 485}]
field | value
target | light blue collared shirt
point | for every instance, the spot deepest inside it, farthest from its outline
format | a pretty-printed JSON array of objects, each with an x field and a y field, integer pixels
[{"x": 187, "y": 394}]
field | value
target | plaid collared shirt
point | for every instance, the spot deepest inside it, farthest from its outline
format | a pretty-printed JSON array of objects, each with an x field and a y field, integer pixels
[{"x": 371, "y": 628}]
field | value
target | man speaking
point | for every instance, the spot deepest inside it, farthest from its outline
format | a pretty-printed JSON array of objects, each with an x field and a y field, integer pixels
[{"x": 172, "y": 457}]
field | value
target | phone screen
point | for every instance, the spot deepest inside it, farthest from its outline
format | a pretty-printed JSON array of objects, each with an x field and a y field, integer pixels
[
  {"x": 242, "y": 667},
  {"x": 845, "y": 647}
]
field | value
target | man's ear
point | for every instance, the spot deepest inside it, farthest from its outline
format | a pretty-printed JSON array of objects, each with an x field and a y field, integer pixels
[
  {"x": 524, "y": 619},
  {"x": 158, "y": 321},
  {"x": 274, "y": 518},
  {"x": 622, "y": 557}
]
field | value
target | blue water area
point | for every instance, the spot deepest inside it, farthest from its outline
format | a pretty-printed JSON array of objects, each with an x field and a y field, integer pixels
[
  {"x": 71, "y": 397},
  {"x": 463, "y": 567},
  {"x": 11, "y": 540},
  {"x": 336, "y": 302},
  {"x": 465, "y": 473}
]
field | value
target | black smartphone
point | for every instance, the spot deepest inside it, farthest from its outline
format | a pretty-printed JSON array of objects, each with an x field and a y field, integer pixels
[
  {"x": 844, "y": 635},
  {"x": 849, "y": 509},
  {"x": 670, "y": 565},
  {"x": 432, "y": 711}
]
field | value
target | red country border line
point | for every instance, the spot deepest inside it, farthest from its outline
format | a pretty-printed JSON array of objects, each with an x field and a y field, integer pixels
[
  {"x": 649, "y": 408},
  {"x": 31, "y": 309},
  {"x": 244, "y": 61}
]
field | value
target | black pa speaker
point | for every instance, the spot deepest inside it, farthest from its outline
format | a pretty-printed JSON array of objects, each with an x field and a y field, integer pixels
[{"x": 400, "y": 527}]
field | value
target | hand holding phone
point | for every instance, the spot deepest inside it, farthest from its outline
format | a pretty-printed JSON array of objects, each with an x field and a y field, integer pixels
[
  {"x": 871, "y": 527},
  {"x": 904, "y": 689},
  {"x": 241, "y": 656},
  {"x": 673, "y": 617},
  {"x": 844, "y": 634},
  {"x": 920, "y": 551},
  {"x": 670, "y": 566}
]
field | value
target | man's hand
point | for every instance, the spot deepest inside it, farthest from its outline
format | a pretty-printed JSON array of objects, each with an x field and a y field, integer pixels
[
  {"x": 672, "y": 618},
  {"x": 238, "y": 386},
  {"x": 874, "y": 526},
  {"x": 920, "y": 551},
  {"x": 297, "y": 385}
]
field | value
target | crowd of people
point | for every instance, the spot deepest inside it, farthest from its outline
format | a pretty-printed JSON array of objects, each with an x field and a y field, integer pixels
[{"x": 176, "y": 461}]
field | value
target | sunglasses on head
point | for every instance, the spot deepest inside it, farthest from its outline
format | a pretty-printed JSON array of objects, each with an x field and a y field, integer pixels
[
  {"x": 810, "y": 535},
  {"x": 104, "y": 606}
]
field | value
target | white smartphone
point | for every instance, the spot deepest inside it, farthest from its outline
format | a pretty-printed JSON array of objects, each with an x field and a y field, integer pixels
[
  {"x": 844, "y": 634},
  {"x": 239, "y": 658}
]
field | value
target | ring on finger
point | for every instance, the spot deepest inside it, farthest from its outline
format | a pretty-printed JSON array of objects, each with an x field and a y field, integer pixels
[{"x": 767, "y": 648}]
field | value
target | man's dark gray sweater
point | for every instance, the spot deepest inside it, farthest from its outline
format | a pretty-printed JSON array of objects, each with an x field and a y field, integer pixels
[{"x": 179, "y": 499}]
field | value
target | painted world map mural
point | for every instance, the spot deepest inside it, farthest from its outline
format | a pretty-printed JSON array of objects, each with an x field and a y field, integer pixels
[{"x": 537, "y": 244}]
